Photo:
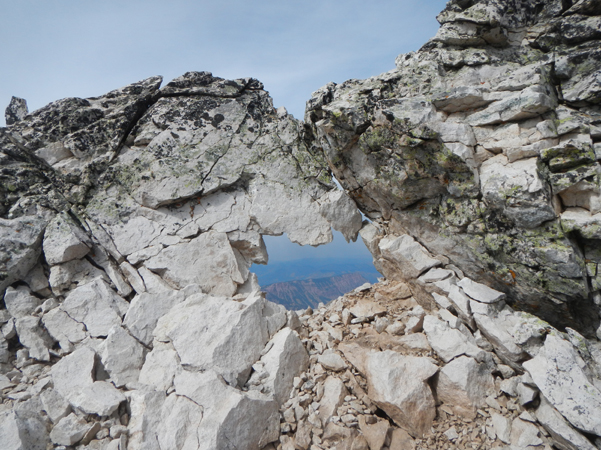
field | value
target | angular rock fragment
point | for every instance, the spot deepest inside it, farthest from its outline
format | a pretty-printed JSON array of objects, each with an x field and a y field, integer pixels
[
  {"x": 398, "y": 385},
  {"x": 463, "y": 384},
  {"x": 122, "y": 356},
  {"x": 19, "y": 302},
  {"x": 557, "y": 372},
  {"x": 64, "y": 240},
  {"x": 95, "y": 305},
  {"x": 22, "y": 430},
  {"x": 233, "y": 334}
]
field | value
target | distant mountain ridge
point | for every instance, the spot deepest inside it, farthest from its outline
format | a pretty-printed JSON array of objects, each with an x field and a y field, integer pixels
[
  {"x": 303, "y": 269},
  {"x": 300, "y": 294}
]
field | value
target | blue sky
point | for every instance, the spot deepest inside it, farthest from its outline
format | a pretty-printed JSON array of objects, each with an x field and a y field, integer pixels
[{"x": 51, "y": 49}]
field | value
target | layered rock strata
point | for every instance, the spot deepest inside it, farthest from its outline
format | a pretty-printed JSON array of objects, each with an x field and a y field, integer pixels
[{"x": 484, "y": 146}]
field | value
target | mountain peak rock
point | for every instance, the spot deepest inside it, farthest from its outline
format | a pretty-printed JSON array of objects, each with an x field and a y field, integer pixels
[{"x": 130, "y": 221}]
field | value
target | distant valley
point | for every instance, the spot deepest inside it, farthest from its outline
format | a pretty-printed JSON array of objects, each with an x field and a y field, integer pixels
[{"x": 300, "y": 294}]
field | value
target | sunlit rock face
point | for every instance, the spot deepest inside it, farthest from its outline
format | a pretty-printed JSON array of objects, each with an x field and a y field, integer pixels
[
  {"x": 484, "y": 146},
  {"x": 129, "y": 224}
]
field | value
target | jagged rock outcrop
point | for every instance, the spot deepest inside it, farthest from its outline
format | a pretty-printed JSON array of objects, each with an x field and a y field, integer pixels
[
  {"x": 129, "y": 222},
  {"x": 484, "y": 146}
]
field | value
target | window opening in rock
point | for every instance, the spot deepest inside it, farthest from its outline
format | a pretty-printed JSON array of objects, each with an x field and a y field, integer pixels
[{"x": 302, "y": 276}]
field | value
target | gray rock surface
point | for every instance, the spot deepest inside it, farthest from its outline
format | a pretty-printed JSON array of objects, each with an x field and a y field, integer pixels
[
  {"x": 135, "y": 220},
  {"x": 468, "y": 143}
]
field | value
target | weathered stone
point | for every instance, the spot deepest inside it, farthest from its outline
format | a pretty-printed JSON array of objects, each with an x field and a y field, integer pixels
[
  {"x": 55, "y": 405},
  {"x": 69, "y": 430},
  {"x": 16, "y": 110},
  {"x": 524, "y": 434},
  {"x": 34, "y": 337},
  {"x": 233, "y": 334},
  {"x": 22, "y": 430},
  {"x": 408, "y": 255},
  {"x": 375, "y": 434},
  {"x": 64, "y": 241},
  {"x": 230, "y": 417},
  {"x": 63, "y": 328},
  {"x": 480, "y": 292},
  {"x": 366, "y": 309},
  {"x": 286, "y": 359},
  {"x": 334, "y": 392},
  {"x": 160, "y": 366},
  {"x": 341, "y": 211},
  {"x": 207, "y": 260},
  {"x": 398, "y": 385},
  {"x": 502, "y": 426},
  {"x": 464, "y": 384},
  {"x": 99, "y": 398},
  {"x": 332, "y": 361},
  {"x": 19, "y": 301},
  {"x": 146, "y": 309},
  {"x": 564, "y": 435},
  {"x": 19, "y": 247},
  {"x": 557, "y": 372},
  {"x": 144, "y": 419},
  {"x": 122, "y": 356},
  {"x": 448, "y": 343},
  {"x": 95, "y": 305}
]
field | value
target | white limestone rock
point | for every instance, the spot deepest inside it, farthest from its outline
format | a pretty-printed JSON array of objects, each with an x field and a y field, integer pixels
[
  {"x": 399, "y": 385},
  {"x": 436, "y": 274},
  {"x": 502, "y": 426},
  {"x": 557, "y": 372},
  {"x": 480, "y": 292},
  {"x": 367, "y": 309},
  {"x": 233, "y": 334},
  {"x": 495, "y": 329},
  {"x": 334, "y": 393},
  {"x": 408, "y": 255},
  {"x": 54, "y": 404},
  {"x": 286, "y": 359},
  {"x": 517, "y": 190},
  {"x": 179, "y": 422},
  {"x": 122, "y": 356},
  {"x": 73, "y": 379},
  {"x": 464, "y": 384},
  {"x": 77, "y": 272},
  {"x": 20, "y": 247},
  {"x": 524, "y": 434},
  {"x": 95, "y": 305},
  {"x": 134, "y": 235},
  {"x": 342, "y": 212},
  {"x": 69, "y": 430},
  {"x": 563, "y": 434},
  {"x": 22, "y": 430},
  {"x": 146, "y": 309},
  {"x": 274, "y": 316},
  {"x": 583, "y": 221},
  {"x": 34, "y": 337},
  {"x": 231, "y": 418},
  {"x": 447, "y": 342},
  {"x": 331, "y": 360},
  {"x": 19, "y": 301},
  {"x": 160, "y": 366},
  {"x": 100, "y": 398},
  {"x": 64, "y": 240},
  {"x": 145, "y": 418},
  {"x": 63, "y": 328},
  {"x": 207, "y": 260}
]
